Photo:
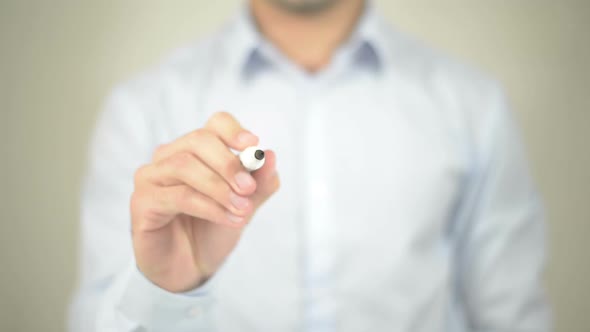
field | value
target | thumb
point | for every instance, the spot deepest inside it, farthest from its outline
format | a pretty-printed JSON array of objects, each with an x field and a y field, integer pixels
[{"x": 267, "y": 179}]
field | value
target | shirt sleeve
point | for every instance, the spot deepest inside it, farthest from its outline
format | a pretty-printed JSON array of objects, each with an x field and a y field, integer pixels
[
  {"x": 500, "y": 231},
  {"x": 113, "y": 295}
]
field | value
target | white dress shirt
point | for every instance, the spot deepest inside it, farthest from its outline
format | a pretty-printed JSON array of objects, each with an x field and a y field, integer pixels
[{"x": 405, "y": 205}]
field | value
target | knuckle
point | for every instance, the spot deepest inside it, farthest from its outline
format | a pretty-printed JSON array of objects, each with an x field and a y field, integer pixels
[
  {"x": 221, "y": 117},
  {"x": 189, "y": 201},
  {"x": 199, "y": 138},
  {"x": 140, "y": 174},
  {"x": 181, "y": 160},
  {"x": 138, "y": 204},
  {"x": 135, "y": 203},
  {"x": 186, "y": 196},
  {"x": 197, "y": 135},
  {"x": 200, "y": 133},
  {"x": 159, "y": 151},
  {"x": 223, "y": 123}
]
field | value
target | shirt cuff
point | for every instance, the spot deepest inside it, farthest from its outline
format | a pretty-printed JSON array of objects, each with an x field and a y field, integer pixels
[{"x": 155, "y": 308}]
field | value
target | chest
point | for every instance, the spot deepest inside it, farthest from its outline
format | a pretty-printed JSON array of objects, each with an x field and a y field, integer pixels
[{"x": 369, "y": 178}]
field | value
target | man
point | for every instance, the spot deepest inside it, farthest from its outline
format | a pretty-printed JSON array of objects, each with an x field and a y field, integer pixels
[{"x": 404, "y": 203}]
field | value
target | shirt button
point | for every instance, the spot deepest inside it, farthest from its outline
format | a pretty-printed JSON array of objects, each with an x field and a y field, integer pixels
[{"x": 193, "y": 312}]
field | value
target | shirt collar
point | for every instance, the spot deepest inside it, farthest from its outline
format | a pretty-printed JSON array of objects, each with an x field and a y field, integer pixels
[
  {"x": 248, "y": 52},
  {"x": 366, "y": 43}
]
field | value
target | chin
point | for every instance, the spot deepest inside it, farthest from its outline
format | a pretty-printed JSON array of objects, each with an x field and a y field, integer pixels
[{"x": 305, "y": 6}]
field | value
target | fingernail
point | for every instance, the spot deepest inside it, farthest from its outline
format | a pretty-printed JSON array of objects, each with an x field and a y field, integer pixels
[
  {"x": 244, "y": 180},
  {"x": 235, "y": 219},
  {"x": 241, "y": 203},
  {"x": 247, "y": 138}
]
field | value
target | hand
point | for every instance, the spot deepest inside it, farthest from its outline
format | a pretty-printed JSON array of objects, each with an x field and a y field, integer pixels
[{"x": 192, "y": 201}]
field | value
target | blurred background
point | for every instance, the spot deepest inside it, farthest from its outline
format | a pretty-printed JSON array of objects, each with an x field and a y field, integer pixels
[{"x": 59, "y": 59}]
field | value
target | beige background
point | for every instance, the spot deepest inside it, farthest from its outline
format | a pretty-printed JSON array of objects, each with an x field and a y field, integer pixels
[{"x": 60, "y": 58}]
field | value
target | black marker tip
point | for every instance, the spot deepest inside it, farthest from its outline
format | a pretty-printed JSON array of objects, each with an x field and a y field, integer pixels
[{"x": 259, "y": 154}]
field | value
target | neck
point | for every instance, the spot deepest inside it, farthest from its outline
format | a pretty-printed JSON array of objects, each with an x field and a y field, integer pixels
[{"x": 309, "y": 40}]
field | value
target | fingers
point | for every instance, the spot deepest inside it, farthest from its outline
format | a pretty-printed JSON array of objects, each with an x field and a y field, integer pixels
[
  {"x": 185, "y": 169},
  {"x": 197, "y": 175},
  {"x": 182, "y": 184},
  {"x": 222, "y": 125},
  {"x": 161, "y": 203},
  {"x": 229, "y": 130},
  {"x": 211, "y": 145}
]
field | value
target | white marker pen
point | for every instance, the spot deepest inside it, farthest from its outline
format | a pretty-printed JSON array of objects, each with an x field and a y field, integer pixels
[{"x": 252, "y": 158}]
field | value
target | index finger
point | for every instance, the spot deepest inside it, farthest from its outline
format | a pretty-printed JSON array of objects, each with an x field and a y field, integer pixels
[{"x": 229, "y": 130}]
